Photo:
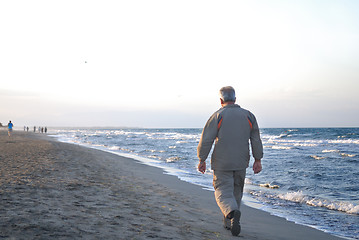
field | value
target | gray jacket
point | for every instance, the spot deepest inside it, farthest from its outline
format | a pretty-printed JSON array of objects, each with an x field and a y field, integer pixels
[{"x": 231, "y": 127}]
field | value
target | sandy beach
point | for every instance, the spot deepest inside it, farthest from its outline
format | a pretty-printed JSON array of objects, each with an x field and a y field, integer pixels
[{"x": 54, "y": 190}]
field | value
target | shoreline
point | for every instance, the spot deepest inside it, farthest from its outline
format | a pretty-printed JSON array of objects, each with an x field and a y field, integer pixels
[{"x": 65, "y": 191}]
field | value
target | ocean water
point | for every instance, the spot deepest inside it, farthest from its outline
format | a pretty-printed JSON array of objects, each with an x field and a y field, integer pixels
[{"x": 310, "y": 175}]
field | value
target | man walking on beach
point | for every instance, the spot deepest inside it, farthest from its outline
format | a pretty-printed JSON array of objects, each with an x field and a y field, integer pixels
[
  {"x": 231, "y": 127},
  {"x": 9, "y": 128}
]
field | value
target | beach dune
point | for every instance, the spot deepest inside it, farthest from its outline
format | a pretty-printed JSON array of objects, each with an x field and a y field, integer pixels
[{"x": 54, "y": 190}]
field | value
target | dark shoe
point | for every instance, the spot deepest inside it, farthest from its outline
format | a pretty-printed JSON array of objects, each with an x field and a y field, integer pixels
[
  {"x": 235, "y": 226},
  {"x": 226, "y": 223}
]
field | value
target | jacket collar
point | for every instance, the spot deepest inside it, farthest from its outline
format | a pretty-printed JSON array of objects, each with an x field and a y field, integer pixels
[{"x": 231, "y": 105}]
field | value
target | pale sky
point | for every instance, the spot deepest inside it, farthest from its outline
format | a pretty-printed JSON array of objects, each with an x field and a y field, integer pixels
[{"x": 161, "y": 63}]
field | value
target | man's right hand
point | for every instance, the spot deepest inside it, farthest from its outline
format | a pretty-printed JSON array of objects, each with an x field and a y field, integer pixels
[{"x": 202, "y": 167}]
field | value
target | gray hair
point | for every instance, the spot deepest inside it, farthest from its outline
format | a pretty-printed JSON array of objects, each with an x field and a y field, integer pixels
[{"x": 227, "y": 94}]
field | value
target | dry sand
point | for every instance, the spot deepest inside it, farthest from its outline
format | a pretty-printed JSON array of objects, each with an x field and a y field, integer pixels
[{"x": 53, "y": 190}]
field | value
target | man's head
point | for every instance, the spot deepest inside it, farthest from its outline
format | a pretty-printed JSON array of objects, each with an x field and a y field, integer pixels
[{"x": 227, "y": 95}]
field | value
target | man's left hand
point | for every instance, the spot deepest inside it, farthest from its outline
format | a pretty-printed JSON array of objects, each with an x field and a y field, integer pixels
[{"x": 257, "y": 166}]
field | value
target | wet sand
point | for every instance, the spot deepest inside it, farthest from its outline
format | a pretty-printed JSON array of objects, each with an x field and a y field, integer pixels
[{"x": 54, "y": 190}]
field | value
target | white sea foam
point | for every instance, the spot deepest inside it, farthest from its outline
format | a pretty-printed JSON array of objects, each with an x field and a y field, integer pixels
[
  {"x": 248, "y": 181},
  {"x": 347, "y": 141},
  {"x": 292, "y": 130},
  {"x": 317, "y": 157},
  {"x": 268, "y": 185},
  {"x": 114, "y": 148},
  {"x": 173, "y": 159},
  {"x": 347, "y": 155},
  {"x": 293, "y": 196},
  {"x": 305, "y": 144},
  {"x": 299, "y": 197},
  {"x": 292, "y": 143},
  {"x": 281, "y": 147},
  {"x": 329, "y": 151}
]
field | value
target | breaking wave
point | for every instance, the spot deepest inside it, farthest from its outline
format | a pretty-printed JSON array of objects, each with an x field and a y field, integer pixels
[{"x": 301, "y": 198}]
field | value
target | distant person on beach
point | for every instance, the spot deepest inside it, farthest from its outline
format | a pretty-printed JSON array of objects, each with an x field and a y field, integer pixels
[
  {"x": 45, "y": 129},
  {"x": 231, "y": 128},
  {"x": 9, "y": 128},
  {"x": 34, "y": 129}
]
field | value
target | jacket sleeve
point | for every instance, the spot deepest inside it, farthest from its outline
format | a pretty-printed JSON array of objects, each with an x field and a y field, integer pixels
[
  {"x": 209, "y": 134},
  {"x": 256, "y": 142}
]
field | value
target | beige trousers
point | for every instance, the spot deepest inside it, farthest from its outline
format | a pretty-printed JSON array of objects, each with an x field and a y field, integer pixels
[{"x": 228, "y": 186}]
